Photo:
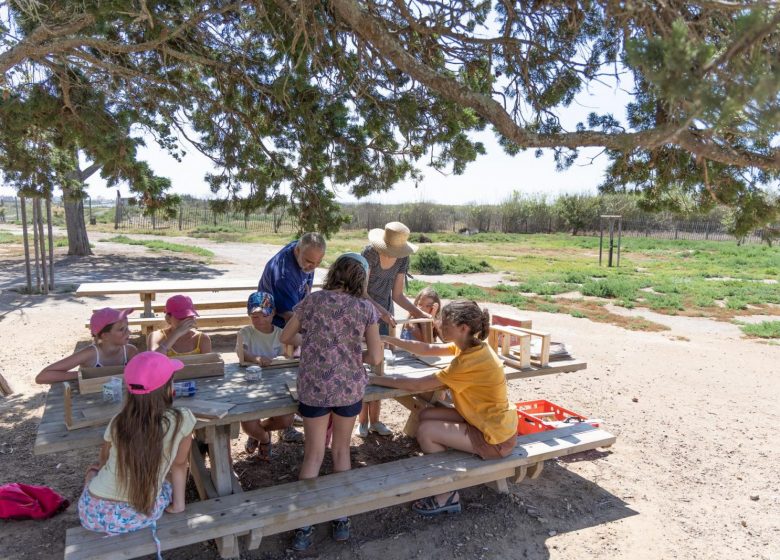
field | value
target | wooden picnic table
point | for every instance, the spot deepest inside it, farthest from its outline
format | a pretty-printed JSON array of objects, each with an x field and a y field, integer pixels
[
  {"x": 270, "y": 396},
  {"x": 147, "y": 290}
]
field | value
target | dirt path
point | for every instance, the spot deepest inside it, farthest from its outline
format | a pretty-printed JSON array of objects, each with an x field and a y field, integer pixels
[{"x": 693, "y": 473}]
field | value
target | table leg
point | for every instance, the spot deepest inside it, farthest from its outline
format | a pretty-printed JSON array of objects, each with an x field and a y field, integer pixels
[
  {"x": 222, "y": 477},
  {"x": 147, "y": 298}
]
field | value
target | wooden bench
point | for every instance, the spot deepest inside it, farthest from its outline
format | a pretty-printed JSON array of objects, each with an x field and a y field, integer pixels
[
  {"x": 148, "y": 324},
  {"x": 228, "y": 303},
  {"x": 285, "y": 507}
]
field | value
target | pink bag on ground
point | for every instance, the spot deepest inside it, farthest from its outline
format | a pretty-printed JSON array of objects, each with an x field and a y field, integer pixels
[{"x": 23, "y": 501}]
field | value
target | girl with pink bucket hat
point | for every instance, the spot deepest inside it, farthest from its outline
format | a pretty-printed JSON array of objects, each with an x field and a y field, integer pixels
[
  {"x": 110, "y": 347},
  {"x": 148, "y": 440}
]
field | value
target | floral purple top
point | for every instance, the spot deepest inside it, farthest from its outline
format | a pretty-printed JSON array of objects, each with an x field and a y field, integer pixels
[{"x": 333, "y": 325}]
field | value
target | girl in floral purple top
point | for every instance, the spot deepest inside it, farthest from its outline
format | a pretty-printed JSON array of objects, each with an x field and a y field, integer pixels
[{"x": 331, "y": 377}]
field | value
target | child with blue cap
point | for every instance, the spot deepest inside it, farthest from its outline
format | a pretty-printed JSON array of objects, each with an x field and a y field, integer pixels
[{"x": 259, "y": 344}]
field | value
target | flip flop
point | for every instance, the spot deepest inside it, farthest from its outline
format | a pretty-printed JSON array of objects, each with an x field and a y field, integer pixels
[{"x": 429, "y": 507}]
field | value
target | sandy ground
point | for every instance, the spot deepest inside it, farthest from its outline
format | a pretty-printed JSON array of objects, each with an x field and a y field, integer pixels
[{"x": 693, "y": 473}]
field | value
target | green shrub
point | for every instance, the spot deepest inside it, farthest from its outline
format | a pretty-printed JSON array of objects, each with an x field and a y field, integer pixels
[
  {"x": 765, "y": 329},
  {"x": 615, "y": 287},
  {"x": 427, "y": 261}
]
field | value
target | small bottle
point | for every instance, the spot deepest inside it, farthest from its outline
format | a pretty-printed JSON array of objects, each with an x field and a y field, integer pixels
[
  {"x": 406, "y": 334},
  {"x": 184, "y": 389}
]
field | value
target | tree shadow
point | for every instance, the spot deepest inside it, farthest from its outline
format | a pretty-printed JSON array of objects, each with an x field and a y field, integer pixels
[
  {"x": 70, "y": 270},
  {"x": 63, "y": 472}
]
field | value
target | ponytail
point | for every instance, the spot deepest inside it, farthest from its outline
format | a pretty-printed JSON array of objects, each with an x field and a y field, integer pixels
[{"x": 463, "y": 312}]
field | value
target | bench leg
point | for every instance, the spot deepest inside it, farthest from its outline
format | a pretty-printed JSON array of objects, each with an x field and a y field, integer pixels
[
  {"x": 535, "y": 470},
  {"x": 254, "y": 539},
  {"x": 499, "y": 486}
]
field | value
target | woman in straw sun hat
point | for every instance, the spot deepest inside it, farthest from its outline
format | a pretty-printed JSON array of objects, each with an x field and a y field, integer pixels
[{"x": 388, "y": 260}]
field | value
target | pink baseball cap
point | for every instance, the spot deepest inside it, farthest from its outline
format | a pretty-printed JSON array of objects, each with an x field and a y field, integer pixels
[
  {"x": 149, "y": 371},
  {"x": 180, "y": 307},
  {"x": 106, "y": 316}
]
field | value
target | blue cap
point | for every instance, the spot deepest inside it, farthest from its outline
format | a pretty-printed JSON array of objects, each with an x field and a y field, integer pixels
[
  {"x": 262, "y": 302},
  {"x": 359, "y": 258}
]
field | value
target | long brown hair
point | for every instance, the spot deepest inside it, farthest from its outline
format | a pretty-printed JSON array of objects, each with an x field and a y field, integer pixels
[
  {"x": 347, "y": 275},
  {"x": 463, "y": 312},
  {"x": 138, "y": 432}
]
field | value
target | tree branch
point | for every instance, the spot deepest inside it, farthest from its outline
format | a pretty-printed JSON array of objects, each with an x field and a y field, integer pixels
[{"x": 374, "y": 32}]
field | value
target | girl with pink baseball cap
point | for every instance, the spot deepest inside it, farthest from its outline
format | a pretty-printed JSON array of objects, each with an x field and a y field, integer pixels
[
  {"x": 180, "y": 337},
  {"x": 148, "y": 440},
  {"x": 110, "y": 347}
]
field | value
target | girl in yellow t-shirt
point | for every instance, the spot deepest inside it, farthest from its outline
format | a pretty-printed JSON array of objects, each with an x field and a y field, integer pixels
[{"x": 482, "y": 421}]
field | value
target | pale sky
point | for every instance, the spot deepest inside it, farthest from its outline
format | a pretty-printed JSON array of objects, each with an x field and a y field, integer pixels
[{"x": 489, "y": 179}]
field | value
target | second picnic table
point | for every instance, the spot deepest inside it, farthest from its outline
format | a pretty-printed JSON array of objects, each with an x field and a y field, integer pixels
[{"x": 148, "y": 290}]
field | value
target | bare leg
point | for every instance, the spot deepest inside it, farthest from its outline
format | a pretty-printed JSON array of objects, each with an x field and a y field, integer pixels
[
  {"x": 435, "y": 436},
  {"x": 314, "y": 430},
  {"x": 342, "y": 435}
]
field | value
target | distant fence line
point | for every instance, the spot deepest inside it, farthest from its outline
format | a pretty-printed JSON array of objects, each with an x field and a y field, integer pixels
[{"x": 421, "y": 218}]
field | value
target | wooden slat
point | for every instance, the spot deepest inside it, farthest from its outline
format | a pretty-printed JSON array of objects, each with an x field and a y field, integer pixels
[
  {"x": 257, "y": 400},
  {"x": 165, "y": 286},
  {"x": 288, "y": 506}
]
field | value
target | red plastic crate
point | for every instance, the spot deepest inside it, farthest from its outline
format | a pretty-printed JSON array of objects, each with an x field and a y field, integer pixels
[{"x": 541, "y": 415}]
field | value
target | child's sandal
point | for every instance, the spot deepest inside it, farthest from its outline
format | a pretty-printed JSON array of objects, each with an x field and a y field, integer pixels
[
  {"x": 429, "y": 507},
  {"x": 264, "y": 451}
]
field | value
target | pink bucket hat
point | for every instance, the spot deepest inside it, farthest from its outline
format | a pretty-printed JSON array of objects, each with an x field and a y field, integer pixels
[
  {"x": 101, "y": 318},
  {"x": 149, "y": 371},
  {"x": 180, "y": 307}
]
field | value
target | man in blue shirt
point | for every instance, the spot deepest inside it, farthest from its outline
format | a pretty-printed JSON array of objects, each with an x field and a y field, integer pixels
[{"x": 289, "y": 276}]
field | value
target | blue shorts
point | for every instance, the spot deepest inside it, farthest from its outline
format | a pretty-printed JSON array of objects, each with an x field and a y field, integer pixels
[{"x": 308, "y": 411}]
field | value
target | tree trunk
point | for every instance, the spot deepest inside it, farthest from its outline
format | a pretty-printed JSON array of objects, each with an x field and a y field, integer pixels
[
  {"x": 26, "y": 244},
  {"x": 78, "y": 242}
]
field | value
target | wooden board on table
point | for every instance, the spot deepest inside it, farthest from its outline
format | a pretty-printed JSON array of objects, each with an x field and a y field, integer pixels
[
  {"x": 292, "y": 386},
  {"x": 437, "y": 361},
  {"x": 204, "y": 408},
  {"x": 91, "y": 380},
  {"x": 278, "y": 362}
]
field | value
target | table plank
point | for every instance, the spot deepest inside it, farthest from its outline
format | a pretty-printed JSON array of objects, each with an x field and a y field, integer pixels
[
  {"x": 165, "y": 286},
  {"x": 251, "y": 400}
]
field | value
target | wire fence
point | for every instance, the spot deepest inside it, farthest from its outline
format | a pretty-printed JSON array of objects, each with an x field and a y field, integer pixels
[{"x": 420, "y": 217}]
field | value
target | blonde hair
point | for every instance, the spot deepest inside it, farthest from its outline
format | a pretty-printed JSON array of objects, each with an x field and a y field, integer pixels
[{"x": 429, "y": 292}]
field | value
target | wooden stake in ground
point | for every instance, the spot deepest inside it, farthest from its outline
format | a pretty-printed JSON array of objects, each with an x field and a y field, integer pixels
[
  {"x": 51, "y": 243},
  {"x": 42, "y": 241},
  {"x": 26, "y": 245},
  {"x": 35, "y": 246}
]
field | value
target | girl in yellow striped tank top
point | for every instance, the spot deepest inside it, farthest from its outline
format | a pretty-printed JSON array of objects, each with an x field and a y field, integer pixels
[{"x": 180, "y": 337}]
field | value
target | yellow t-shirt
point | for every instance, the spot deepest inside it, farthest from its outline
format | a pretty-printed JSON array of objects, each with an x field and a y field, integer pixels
[
  {"x": 476, "y": 379},
  {"x": 105, "y": 483}
]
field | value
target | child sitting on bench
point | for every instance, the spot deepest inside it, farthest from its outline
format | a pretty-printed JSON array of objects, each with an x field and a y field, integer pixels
[
  {"x": 110, "y": 347},
  {"x": 149, "y": 439},
  {"x": 259, "y": 343},
  {"x": 482, "y": 422},
  {"x": 180, "y": 337}
]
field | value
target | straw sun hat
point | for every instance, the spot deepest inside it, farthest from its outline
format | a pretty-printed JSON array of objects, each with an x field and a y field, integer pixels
[{"x": 392, "y": 241}]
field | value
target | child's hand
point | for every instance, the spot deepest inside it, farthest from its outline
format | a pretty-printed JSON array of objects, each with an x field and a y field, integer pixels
[
  {"x": 265, "y": 361},
  {"x": 172, "y": 509}
]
